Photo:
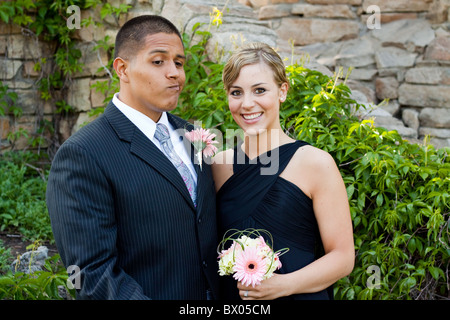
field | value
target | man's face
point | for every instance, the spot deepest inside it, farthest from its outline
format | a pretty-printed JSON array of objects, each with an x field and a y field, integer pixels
[{"x": 154, "y": 76}]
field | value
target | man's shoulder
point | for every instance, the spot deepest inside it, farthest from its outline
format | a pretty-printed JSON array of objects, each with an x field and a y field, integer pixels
[
  {"x": 93, "y": 136},
  {"x": 89, "y": 130},
  {"x": 97, "y": 128}
]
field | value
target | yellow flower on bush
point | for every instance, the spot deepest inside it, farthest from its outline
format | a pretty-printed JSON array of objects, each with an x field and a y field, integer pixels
[{"x": 216, "y": 17}]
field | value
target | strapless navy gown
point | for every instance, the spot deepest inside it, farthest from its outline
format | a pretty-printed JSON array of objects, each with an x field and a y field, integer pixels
[{"x": 250, "y": 199}]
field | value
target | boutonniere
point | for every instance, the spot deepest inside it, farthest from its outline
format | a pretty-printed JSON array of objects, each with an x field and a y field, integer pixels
[{"x": 203, "y": 142}]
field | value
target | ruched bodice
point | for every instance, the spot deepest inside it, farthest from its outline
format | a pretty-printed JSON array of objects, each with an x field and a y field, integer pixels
[{"x": 255, "y": 196}]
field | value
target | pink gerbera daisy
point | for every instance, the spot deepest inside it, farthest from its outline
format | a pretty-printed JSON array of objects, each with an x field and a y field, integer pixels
[
  {"x": 203, "y": 140},
  {"x": 250, "y": 267}
]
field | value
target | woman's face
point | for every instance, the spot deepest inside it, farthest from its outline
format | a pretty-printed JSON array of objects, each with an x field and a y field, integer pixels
[{"x": 254, "y": 99}]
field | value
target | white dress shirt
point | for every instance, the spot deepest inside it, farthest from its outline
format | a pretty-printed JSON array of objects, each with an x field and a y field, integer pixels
[{"x": 148, "y": 127}]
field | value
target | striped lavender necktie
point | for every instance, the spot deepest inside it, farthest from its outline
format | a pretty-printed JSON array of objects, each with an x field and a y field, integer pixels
[{"x": 162, "y": 135}]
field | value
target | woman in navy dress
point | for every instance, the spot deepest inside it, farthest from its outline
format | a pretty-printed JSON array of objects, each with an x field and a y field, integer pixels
[{"x": 287, "y": 187}]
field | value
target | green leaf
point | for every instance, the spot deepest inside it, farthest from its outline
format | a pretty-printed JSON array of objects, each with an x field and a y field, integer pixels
[
  {"x": 42, "y": 11},
  {"x": 412, "y": 245},
  {"x": 6, "y": 281},
  {"x": 436, "y": 272},
  {"x": 379, "y": 200},
  {"x": 350, "y": 190},
  {"x": 4, "y": 16},
  {"x": 408, "y": 283}
]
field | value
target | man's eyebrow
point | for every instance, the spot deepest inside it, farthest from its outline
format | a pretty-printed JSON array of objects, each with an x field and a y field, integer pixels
[{"x": 180, "y": 56}]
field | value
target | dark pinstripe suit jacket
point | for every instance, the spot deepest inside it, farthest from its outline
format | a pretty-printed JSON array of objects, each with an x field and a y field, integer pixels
[{"x": 121, "y": 212}]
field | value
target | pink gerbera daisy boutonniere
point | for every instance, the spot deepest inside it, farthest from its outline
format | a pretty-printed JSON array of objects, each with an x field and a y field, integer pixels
[{"x": 203, "y": 142}]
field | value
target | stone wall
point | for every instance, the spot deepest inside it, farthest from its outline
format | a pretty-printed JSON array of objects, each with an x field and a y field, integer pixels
[{"x": 406, "y": 61}]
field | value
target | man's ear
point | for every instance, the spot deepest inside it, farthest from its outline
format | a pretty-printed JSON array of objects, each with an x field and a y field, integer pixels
[{"x": 121, "y": 67}]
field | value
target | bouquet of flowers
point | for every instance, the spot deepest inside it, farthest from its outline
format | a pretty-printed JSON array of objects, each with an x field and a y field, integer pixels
[{"x": 249, "y": 259}]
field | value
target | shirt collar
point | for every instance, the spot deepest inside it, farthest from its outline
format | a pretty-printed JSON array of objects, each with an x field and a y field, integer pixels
[{"x": 140, "y": 120}]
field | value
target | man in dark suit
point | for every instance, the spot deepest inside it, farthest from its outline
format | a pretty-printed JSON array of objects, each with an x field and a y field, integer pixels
[{"x": 129, "y": 205}]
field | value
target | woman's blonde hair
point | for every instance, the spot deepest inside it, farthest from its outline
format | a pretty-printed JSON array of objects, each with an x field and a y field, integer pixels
[{"x": 254, "y": 53}]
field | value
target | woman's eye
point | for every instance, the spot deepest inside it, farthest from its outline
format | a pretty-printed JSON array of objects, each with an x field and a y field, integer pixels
[
  {"x": 260, "y": 90},
  {"x": 235, "y": 93},
  {"x": 179, "y": 64},
  {"x": 158, "y": 62}
]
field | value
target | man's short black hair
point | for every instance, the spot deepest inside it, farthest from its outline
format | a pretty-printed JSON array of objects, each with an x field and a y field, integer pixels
[{"x": 131, "y": 36}]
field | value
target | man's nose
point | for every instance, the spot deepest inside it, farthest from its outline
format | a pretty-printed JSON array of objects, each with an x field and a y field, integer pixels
[{"x": 173, "y": 71}]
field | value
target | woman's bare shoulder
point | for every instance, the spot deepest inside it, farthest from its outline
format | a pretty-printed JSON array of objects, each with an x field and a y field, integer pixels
[
  {"x": 313, "y": 158},
  {"x": 222, "y": 167},
  {"x": 309, "y": 166}
]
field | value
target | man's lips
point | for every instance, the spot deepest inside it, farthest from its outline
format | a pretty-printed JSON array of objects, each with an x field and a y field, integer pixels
[{"x": 174, "y": 87}]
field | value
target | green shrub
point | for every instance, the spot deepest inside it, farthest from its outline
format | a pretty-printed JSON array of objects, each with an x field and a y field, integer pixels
[
  {"x": 22, "y": 200},
  {"x": 5, "y": 258},
  {"x": 398, "y": 193},
  {"x": 39, "y": 285}
]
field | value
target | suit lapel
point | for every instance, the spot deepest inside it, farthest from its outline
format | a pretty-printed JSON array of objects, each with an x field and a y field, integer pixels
[{"x": 145, "y": 149}]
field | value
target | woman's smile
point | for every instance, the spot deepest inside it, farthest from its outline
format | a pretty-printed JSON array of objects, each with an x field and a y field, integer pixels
[{"x": 252, "y": 117}]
